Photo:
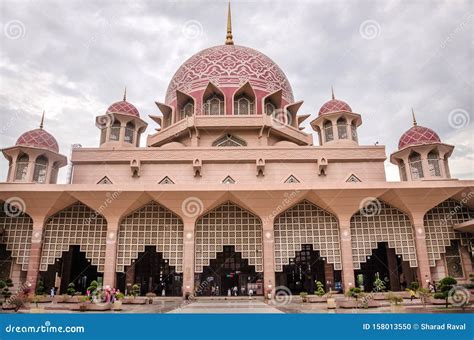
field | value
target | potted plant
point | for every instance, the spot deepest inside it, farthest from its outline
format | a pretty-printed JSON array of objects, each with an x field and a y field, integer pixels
[
  {"x": 444, "y": 286},
  {"x": 304, "y": 296},
  {"x": 395, "y": 302},
  {"x": 118, "y": 301}
]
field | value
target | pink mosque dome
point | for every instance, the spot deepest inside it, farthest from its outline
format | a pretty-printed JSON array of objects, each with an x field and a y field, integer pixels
[
  {"x": 418, "y": 135},
  {"x": 123, "y": 107},
  {"x": 38, "y": 138},
  {"x": 229, "y": 67},
  {"x": 334, "y": 105}
]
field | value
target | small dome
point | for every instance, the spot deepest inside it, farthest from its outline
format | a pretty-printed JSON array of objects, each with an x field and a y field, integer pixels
[
  {"x": 123, "y": 107},
  {"x": 334, "y": 105},
  {"x": 38, "y": 138},
  {"x": 418, "y": 135}
]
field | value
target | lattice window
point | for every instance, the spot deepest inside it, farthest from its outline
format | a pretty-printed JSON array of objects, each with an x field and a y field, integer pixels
[
  {"x": 76, "y": 225},
  {"x": 306, "y": 223},
  {"x": 105, "y": 180},
  {"x": 166, "y": 180},
  {"x": 353, "y": 179},
  {"x": 228, "y": 180},
  {"x": 439, "y": 230},
  {"x": 16, "y": 235},
  {"x": 229, "y": 140},
  {"x": 151, "y": 225},
  {"x": 292, "y": 179},
  {"x": 225, "y": 225},
  {"x": 382, "y": 224}
]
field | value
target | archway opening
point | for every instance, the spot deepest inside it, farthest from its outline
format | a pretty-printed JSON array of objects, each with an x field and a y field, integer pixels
[
  {"x": 72, "y": 267},
  {"x": 5, "y": 262},
  {"x": 386, "y": 265},
  {"x": 229, "y": 275},
  {"x": 305, "y": 269},
  {"x": 153, "y": 274}
]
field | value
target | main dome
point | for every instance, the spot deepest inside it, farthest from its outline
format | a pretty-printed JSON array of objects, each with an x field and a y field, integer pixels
[{"x": 229, "y": 66}]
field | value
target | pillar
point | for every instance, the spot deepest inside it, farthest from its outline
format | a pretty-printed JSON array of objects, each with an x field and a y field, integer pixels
[
  {"x": 268, "y": 255},
  {"x": 348, "y": 279},
  {"x": 35, "y": 252},
  {"x": 424, "y": 273},
  {"x": 188, "y": 256},
  {"x": 111, "y": 251}
]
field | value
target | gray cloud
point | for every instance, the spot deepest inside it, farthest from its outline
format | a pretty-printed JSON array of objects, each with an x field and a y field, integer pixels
[{"x": 74, "y": 58}]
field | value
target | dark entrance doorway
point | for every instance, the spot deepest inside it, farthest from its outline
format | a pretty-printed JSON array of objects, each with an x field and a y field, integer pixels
[
  {"x": 227, "y": 271},
  {"x": 388, "y": 266},
  {"x": 72, "y": 267},
  {"x": 307, "y": 267},
  {"x": 153, "y": 274},
  {"x": 5, "y": 262}
]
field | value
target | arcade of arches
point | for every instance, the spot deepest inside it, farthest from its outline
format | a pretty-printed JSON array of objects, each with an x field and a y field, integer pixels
[{"x": 229, "y": 246}]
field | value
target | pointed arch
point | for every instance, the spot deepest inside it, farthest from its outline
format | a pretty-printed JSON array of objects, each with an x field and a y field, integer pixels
[
  {"x": 17, "y": 230},
  {"x": 228, "y": 224},
  {"x": 213, "y": 101},
  {"x": 306, "y": 223},
  {"x": 439, "y": 228},
  {"x": 150, "y": 225},
  {"x": 75, "y": 225},
  {"x": 244, "y": 100},
  {"x": 272, "y": 102},
  {"x": 381, "y": 223},
  {"x": 185, "y": 105}
]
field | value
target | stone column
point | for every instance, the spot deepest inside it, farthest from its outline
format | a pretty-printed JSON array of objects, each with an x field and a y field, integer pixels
[
  {"x": 424, "y": 273},
  {"x": 188, "y": 256},
  {"x": 111, "y": 251},
  {"x": 348, "y": 279},
  {"x": 35, "y": 252},
  {"x": 268, "y": 255},
  {"x": 30, "y": 170}
]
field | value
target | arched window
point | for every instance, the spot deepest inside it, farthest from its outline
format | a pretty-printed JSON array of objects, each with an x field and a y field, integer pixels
[
  {"x": 342, "y": 128},
  {"x": 214, "y": 105},
  {"x": 187, "y": 110},
  {"x": 416, "y": 168},
  {"x": 41, "y": 167},
  {"x": 433, "y": 163},
  {"x": 403, "y": 170},
  {"x": 21, "y": 167},
  {"x": 269, "y": 108},
  {"x": 115, "y": 131},
  {"x": 328, "y": 133},
  {"x": 354, "y": 132},
  {"x": 129, "y": 131},
  {"x": 244, "y": 105}
]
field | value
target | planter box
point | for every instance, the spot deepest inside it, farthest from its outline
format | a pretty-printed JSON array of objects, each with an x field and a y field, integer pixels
[
  {"x": 379, "y": 296},
  {"x": 316, "y": 299},
  {"x": 92, "y": 307},
  {"x": 41, "y": 299},
  {"x": 357, "y": 304},
  {"x": 68, "y": 299},
  {"x": 438, "y": 302},
  {"x": 8, "y": 307},
  {"x": 331, "y": 303},
  {"x": 117, "y": 305},
  {"x": 135, "y": 301}
]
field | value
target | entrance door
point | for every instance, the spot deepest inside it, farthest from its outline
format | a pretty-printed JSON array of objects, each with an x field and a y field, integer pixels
[{"x": 228, "y": 272}]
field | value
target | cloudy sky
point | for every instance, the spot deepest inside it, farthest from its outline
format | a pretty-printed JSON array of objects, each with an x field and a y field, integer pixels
[{"x": 73, "y": 59}]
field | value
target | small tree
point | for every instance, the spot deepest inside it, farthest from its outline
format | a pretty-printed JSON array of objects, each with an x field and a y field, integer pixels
[
  {"x": 379, "y": 284},
  {"x": 444, "y": 286},
  {"x": 93, "y": 286},
  {"x": 135, "y": 290},
  {"x": 7, "y": 284},
  {"x": 414, "y": 286},
  {"x": 319, "y": 289},
  {"x": 424, "y": 294},
  {"x": 71, "y": 289},
  {"x": 40, "y": 290}
]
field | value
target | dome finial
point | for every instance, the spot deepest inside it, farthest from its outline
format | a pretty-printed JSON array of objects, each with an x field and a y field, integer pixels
[
  {"x": 228, "y": 37},
  {"x": 414, "y": 118},
  {"x": 125, "y": 94},
  {"x": 42, "y": 120},
  {"x": 332, "y": 92}
]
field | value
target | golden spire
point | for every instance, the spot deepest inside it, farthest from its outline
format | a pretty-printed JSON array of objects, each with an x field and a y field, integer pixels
[
  {"x": 414, "y": 118},
  {"x": 228, "y": 37},
  {"x": 42, "y": 120},
  {"x": 332, "y": 91},
  {"x": 125, "y": 94}
]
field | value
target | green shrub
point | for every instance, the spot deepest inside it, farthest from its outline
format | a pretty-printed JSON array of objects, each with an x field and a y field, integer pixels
[
  {"x": 379, "y": 284},
  {"x": 444, "y": 286},
  {"x": 414, "y": 286},
  {"x": 71, "y": 289},
  {"x": 354, "y": 292},
  {"x": 135, "y": 290},
  {"x": 93, "y": 286},
  {"x": 394, "y": 299},
  {"x": 119, "y": 296},
  {"x": 319, "y": 289},
  {"x": 40, "y": 290}
]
